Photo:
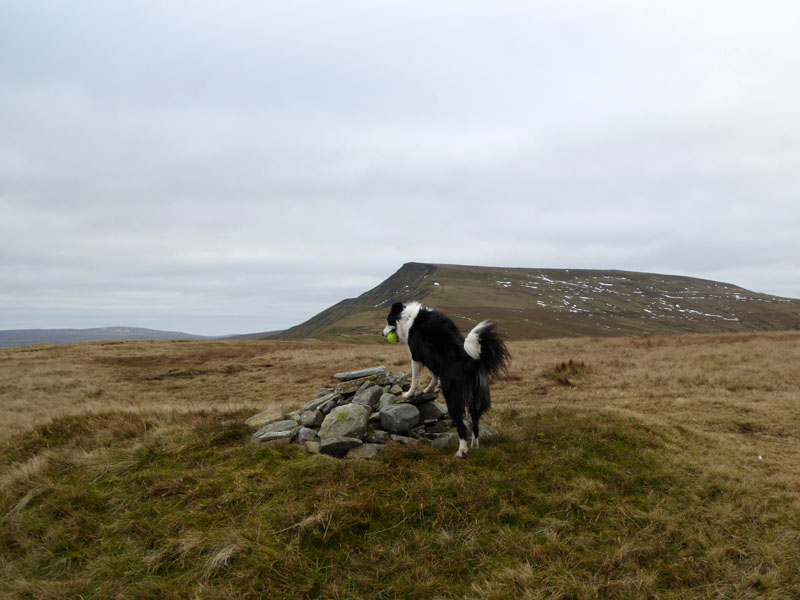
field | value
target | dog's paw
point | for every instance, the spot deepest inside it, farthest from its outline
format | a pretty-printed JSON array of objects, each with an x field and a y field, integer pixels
[
  {"x": 462, "y": 449},
  {"x": 408, "y": 394}
]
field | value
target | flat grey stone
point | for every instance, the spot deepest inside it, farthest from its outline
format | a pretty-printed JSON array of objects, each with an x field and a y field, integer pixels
[
  {"x": 487, "y": 431},
  {"x": 265, "y": 417},
  {"x": 378, "y": 436},
  {"x": 348, "y": 421},
  {"x": 319, "y": 402},
  {"x": 338, "y": 446},
  {"x": 365, "y": 451},
  {"x": 439, "y": 427},
  {"x": 399, "y": 418},
  {"x": 277, "y": 430},
  {"x": 348, "y": 375},
  {"x": 419, "y": 398},
  {"x": 445, "y": 441},
  {"x": 401, "y": 439}
]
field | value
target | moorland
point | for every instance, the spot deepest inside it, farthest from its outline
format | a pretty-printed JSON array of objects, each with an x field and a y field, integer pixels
[{"x": 655, "y": 466}]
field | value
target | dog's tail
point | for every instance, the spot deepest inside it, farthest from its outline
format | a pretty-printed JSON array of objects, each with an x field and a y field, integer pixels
[{"x": 485, "y": 345}]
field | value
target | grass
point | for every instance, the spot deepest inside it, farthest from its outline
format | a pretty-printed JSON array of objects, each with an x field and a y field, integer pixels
[{"x": 640, "y": 479}]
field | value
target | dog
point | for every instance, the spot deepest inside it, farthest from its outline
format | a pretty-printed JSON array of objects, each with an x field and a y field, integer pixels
[{"x": 463, "y": 367}]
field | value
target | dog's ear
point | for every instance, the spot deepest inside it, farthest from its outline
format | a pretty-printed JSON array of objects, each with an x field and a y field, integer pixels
[{"x": 397, "y": 307}]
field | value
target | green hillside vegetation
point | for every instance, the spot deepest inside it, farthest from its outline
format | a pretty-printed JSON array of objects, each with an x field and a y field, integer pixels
[{"x": 535, "y": 303}]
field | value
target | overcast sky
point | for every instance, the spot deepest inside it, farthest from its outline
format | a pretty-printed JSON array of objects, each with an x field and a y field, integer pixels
[{"x": 238, "y": 166}]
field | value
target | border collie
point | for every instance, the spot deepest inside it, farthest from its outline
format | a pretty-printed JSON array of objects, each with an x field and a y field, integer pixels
[{"x": 462, "y": 366}]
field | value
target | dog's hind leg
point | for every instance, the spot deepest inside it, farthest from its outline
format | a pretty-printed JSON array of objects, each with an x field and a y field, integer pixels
[
  {"x": 416, "y": 369},
  {"x": 476, "y": 417},
  {"x": 456, "y": 411}
]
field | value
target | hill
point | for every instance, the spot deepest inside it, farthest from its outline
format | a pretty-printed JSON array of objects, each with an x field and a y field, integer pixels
[
  {"x": 28, "y": 337},
  {"x": 536, "y": 303}
]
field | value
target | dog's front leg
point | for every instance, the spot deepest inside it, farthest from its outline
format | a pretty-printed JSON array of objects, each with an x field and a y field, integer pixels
[{"x": 416, "y": 369}]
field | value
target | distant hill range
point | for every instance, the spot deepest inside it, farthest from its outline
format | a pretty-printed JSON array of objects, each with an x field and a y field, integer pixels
[
  {"x": 28, "y": 337},
  {"x": 533, "y": 303}
]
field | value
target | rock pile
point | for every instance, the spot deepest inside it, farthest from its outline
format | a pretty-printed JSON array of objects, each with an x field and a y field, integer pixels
[{"x": 363, "y": 411}]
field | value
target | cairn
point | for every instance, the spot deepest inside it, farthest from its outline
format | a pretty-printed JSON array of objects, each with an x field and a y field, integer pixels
[{"x": 358, "y": 415}]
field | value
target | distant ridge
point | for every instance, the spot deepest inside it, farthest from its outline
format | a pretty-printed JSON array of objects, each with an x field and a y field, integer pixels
[
  {"x": 26, "y": 337},
  {"x": 533, "y": 303}
]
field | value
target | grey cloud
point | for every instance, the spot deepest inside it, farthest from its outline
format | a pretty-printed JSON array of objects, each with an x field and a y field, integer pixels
[{"x": 243, "y": 168}]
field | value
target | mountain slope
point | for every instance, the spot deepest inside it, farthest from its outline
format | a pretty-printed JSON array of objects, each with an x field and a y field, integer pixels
[
  {"x": 529, "y": 303},
  {"x": 26, "y": 337}
]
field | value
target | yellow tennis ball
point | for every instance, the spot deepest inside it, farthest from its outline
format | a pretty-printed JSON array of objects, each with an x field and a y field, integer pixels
[{"x": 392, "y": 337}]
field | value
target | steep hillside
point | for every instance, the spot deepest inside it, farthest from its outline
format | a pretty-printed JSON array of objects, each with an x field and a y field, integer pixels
[{"x": 531, "y": 303}]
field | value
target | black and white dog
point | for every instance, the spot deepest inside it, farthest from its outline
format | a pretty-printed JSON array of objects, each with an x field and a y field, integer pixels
[{"x": 462, "y": 366}]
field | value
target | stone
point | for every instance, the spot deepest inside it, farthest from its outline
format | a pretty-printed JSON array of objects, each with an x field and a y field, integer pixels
[
  {"x": 311, "y": 418},
  {"x": 445, "y": 441},
  {"x": 365, "y": 451},
  {"x": 304, "y": 434},
  {"x": 278, "y": 441},
  {"x": 401, "y": 439},
  {"x": 319, "y": 402},
  {"x": 276, "y": 430},
  {"x": 432, "y": 411},
  {"x": 487, "y": 431},
  {"x": 347, "y": 376},
  {"x": 379, "y": 436},
  {"x": 417, "y": 432},
  {"x": 418, "y": 399},
  {"x": 400, "y": 379},
  {"x": 386, "y": 400},
  {"x": 354, "y": 419},
  {"x": 270, "y": 415},
  {"x": 349, "y": 421},
  {"x": 439, "y": 428},
  {"x": 369, "y": 394},
  {"x": 338, "y": 446},
  {"x": 399, "y": 418},
  {"x": 351, "y": 387}
]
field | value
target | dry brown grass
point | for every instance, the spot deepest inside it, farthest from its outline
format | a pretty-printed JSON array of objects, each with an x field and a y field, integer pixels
[{"x": 739, "y": 389}]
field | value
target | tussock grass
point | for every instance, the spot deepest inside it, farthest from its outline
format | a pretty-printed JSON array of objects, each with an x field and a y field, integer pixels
[{"x": 639, "y": 480}]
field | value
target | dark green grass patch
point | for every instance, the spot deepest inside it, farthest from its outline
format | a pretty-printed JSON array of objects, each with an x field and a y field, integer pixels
[{"x": 562, "y": 505}]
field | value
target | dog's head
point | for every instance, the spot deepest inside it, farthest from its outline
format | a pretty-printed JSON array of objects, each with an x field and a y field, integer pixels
[{"x": 393, "y": 317}]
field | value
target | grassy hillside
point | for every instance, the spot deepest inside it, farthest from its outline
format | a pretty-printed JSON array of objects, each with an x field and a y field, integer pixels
[
  {"x": 647, "y": 467},
  {"x": 535, "y": 303}
]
